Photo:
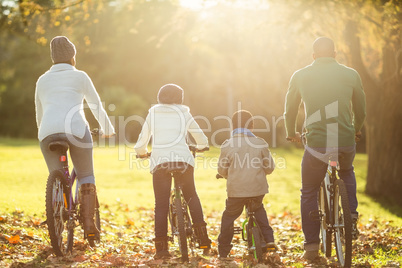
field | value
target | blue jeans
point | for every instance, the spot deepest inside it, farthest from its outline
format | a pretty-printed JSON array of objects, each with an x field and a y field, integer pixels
[
  {"x": 162, "y": 182},
  {"x": 234, "y": 208},
  {"x": 313, "y": 172}
]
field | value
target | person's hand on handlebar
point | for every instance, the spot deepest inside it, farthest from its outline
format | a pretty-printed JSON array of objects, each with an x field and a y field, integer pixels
[
  {"x": 193, "y": 148},
  {"x": 358, "y": 136},
  {"x": 143, "y": 156},
  {"x": 103, "y": 136},
  {"x": 296, "y": 138}
]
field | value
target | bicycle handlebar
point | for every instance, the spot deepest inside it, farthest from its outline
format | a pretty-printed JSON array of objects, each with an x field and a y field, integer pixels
[
  {"x": 219, "y": 176},
  {"x": 191, "y": 147},
  {"x": 95, "y": 132}
]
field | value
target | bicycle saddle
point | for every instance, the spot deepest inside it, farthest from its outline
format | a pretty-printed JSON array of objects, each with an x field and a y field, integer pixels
[
  {"x": 176, "y": 167},
  {"x": 58, "y": 145}
]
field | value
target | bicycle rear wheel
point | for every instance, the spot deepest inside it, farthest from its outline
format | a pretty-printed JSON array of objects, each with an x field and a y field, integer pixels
[
  {"x": 257, "y": 241},
  {"x": 342, "y": 225},
  {"x": 326, "y": 235},
  {"x": 181, "y": 228},
  {"x": 56, "y": 213}
]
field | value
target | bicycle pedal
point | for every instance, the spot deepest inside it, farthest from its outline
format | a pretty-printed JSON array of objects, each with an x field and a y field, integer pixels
[
  {"x": 315, "y": 215},
  {"x": 91, "y": 236},
  {"x": 237, "y": 230},
  {"x": 271, "y": 249}
]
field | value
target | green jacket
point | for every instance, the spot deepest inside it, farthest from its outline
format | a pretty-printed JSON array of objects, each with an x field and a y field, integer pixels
[{"x": 334, "y": 103}]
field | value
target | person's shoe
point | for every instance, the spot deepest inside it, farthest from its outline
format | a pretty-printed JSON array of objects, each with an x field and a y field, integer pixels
[
  {"x": 310, "y": 255},
  {"x": 201, "y": 234},
  {"x": 87, "y": 197},
  {"x": 162, "y": 248},
  {"x": 355, "y": 230},
  {"x": 224, "y": 251},
  {"x": 311, "y": 252}
]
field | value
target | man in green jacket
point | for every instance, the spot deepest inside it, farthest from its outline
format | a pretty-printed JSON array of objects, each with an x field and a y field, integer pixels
[{"x": 335, "y": 109}]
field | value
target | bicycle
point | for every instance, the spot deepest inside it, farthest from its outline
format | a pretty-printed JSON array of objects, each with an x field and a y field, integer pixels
[
  {"x": 335, "y": 217},
  {"x": 334, "y": 214},
  {"x": 62, "y": 205},
  {"x": 179, "y": 217},
  {"x": 251, "y": 231}
]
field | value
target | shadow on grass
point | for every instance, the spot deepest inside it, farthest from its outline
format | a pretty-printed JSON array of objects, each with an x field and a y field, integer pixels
[{"x": 391, "y": 205}]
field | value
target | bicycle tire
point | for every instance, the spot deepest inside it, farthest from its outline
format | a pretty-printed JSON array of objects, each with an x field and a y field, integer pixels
[
  {"x": 93, "y": 242},
  {"x": 70, "y": 239},
  {"x": 342, "y": 225},
  {"x": 257, "y": 240},
  {"x": 182, "y": 238},
  {"x": 326, "y": 234},
  {"x": 55, "y": 213}
]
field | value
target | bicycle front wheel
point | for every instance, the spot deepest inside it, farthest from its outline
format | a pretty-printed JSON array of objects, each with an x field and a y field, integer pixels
[
  {"x": 181, "y": 228},
  {"x": 342, "y": 225},
  {"x": 326, "y": 235},
  {"x": 56, "y": 213}
]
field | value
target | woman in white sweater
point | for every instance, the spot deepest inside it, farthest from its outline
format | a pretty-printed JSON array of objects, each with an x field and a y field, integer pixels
[
  {"x": 59, "y": 97},
  {"x": 168, "y": 123}
]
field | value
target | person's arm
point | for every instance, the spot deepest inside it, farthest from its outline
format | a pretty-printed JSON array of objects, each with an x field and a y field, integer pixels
[
  {"x": 94, "y": 102},
  {"x": 267, "y": 161},
  {"x": 292, "y": 104},
  {"x": 197, "y": 133},
  {"x": 358, "y": 104},
  {"x": 223, "y": 162},
  {"x": 144, "y": 137},
  {"x": 38, "y": 108}
]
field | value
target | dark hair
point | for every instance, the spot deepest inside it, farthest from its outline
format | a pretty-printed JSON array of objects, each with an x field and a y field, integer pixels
[
  {"x": 170, "y": 94},
  {"x": 323, "y": 47},
  {"x": 242, "y": 119}
]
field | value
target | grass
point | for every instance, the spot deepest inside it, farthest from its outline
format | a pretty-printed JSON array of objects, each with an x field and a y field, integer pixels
[
  {"x": 125, "y": 182},
  {"x": 121, "y": 177}
]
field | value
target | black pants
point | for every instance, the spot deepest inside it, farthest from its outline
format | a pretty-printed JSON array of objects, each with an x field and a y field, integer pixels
[
  {"x": 162, "y": 185},
  {"x": 234, "y": 208}
]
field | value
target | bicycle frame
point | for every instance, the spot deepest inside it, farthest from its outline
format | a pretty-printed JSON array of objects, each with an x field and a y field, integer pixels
[
  {"x": 250, "y": 219},
  {"x": 329, "y": 180}
]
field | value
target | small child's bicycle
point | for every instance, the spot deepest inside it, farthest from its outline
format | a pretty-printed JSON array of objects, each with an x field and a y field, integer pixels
[
  {"x": 62, "y": 205},
  {"x": 179, "y": 216},
  {"x": 251, "y": 232}
]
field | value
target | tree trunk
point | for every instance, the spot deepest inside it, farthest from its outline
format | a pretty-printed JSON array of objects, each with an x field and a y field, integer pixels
[{"x": 383, "y": 124}]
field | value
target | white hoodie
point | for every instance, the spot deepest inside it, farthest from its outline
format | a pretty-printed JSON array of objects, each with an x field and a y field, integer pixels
[{"x": 168, "y": 124}]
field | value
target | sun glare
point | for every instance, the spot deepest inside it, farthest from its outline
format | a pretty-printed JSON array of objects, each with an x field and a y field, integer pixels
[
  {"x": 246, "y": 4},
  {"x": 198, "y": 4}
]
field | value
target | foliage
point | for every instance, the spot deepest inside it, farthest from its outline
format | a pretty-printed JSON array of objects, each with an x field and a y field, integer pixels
[
  {"x": 127, "y": 217},
  {"x": 25, "y": 243}
]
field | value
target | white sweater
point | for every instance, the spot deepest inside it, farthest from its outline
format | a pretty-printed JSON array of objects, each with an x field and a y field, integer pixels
[
  {"x": 59, "y": 102},
  {"x": 168, "y": 125}
]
